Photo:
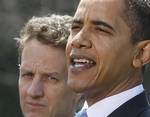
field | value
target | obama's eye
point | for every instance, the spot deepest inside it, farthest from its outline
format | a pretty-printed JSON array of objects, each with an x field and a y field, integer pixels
[
  {"x": 76, "y": 27},
  {"x": 102, "y": 30}
]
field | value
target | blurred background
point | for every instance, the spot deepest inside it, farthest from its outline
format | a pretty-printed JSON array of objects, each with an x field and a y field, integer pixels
[{"x": 14, "y": 13}]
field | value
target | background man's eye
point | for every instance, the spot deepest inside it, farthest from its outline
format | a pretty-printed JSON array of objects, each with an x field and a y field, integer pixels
[
  {"x": 52, "y": 78},
  {"x": 26, "y": 75}
]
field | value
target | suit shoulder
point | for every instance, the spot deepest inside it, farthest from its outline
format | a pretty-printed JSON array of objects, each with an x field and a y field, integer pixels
[{"x": 145, "y": 113}]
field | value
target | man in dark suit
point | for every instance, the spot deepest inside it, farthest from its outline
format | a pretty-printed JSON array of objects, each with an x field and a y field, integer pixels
[{"x": 107, "y": 49}]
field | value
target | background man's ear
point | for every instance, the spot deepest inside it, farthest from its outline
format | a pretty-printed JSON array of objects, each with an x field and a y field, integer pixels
[{"x": 142, "y": 55}]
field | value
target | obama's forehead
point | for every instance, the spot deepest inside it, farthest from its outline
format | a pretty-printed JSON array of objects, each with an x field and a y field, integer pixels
[
  {"x": 100, "y": 10},
  {"x": 86, "y": 6}
]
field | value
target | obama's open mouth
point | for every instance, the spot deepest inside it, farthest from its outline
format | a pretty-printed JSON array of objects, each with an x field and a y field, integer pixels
[{"x": 79, "y": 63}]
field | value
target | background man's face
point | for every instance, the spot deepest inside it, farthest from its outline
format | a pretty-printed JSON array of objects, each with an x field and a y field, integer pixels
[
  {"x": 42, "y": 82},
  {"x": 99, "y": 51}
]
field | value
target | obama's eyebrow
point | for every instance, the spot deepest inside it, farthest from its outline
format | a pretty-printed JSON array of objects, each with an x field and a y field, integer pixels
[
  {"x": 102, "y": 23},
  {"x": 95, "y": 22}
]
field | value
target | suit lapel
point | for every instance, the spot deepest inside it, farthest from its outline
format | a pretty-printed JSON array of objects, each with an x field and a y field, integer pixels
[{"x": 132, "y": 108}]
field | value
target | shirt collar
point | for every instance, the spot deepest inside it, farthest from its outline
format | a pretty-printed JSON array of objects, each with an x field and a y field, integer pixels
[{"x": 106, "y": 106}]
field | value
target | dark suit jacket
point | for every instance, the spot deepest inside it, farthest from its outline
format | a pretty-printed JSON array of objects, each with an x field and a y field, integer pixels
[{"x": 136, "y": 107}]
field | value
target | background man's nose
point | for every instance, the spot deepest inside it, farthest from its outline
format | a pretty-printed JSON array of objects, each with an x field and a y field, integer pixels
[{"x": 35, "y": 90}]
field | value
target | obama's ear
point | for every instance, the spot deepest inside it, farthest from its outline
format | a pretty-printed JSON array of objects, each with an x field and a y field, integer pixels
[{"x": 142, "y": 55}]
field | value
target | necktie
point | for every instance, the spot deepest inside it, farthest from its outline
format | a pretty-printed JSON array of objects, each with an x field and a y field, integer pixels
[{"x": 82, "y": 114}]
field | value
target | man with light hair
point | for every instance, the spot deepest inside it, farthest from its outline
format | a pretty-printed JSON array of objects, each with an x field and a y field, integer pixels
[{"x": 43, "y": 73}]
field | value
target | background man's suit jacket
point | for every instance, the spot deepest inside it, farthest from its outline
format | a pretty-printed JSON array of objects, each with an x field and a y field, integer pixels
[{"x": 136, "y": 107}]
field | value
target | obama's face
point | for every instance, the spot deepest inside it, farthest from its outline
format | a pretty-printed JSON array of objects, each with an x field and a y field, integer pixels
[{"x": 99, "y": 50}]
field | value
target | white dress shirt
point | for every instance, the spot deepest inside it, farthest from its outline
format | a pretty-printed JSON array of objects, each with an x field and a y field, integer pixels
[{"x": 105, "y": 107}]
